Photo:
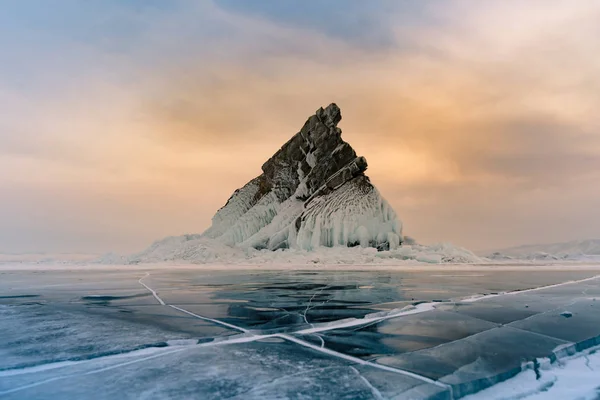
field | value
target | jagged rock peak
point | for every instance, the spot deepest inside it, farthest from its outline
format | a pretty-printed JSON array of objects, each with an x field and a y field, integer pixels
[
  {"x": 330, "y": 116},
  {"x": 312, "y": 192}
]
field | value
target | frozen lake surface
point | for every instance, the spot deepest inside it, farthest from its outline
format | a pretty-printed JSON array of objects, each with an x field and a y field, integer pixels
[{"x": 352, "y": 333}]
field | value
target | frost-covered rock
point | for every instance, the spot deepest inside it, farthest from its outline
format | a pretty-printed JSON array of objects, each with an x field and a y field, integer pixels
[
  {"x": 312, "y": 193},
  {"x": 313, "y": 204}
]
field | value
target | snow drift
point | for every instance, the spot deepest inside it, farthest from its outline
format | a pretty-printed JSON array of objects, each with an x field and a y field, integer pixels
[
  {"x": 576, "y": 250},
  {"x": 198, "y": 249}
]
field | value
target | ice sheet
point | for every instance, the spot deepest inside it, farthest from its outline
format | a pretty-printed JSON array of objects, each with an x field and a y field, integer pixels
[
  {"x": 159, "y": 332},
  {"x": 276, "y": 369},
  {"x": 400, "y": 335}
]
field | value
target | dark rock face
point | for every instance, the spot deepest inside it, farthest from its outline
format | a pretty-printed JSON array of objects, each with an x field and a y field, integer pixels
[
  {"x": 270, "y": 211},
  {"x": 316, "y": 152}
]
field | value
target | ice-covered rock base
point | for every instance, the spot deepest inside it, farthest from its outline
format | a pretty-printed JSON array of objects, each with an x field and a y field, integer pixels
[
  {"x": 312, "y": 193},
  {"x": 196, "y": 249}
]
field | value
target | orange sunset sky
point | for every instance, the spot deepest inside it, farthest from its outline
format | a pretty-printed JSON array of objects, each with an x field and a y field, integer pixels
[{"x": 124, "y": 122}]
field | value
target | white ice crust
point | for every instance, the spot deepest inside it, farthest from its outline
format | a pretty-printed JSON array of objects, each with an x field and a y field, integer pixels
[
  {"x": 348, "y": 216},
  {"x": 196, "y": 249}
]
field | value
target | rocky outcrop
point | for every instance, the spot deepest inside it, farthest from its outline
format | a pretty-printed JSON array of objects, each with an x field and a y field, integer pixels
[{"x": 312, "y": 192}]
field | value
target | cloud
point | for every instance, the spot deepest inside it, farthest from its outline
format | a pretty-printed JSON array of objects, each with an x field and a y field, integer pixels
[
  {"x": 464, "y": 110},
  {"x": 474, "y": 103}
]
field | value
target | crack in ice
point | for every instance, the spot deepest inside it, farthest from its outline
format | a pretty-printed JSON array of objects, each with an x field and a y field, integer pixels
[
  {"x": 419, "y": 308},
  {"x": 282, "y": 378},
  {"x": 560, "y": 307},
  {"x": 310, "y": 301},
  {"x": 515, "y": 292},
  {"x": 216, "y": 321},
  {"x": 320, "y": 338},
  {"x": 162, "y": 303},
  {"x": 587, "y": 362},
  {"x": 423, "y": 307},
  {"x": 361, "y": 361},
  {"x": 57, "y": 378},
  {"x": 374, "y": 390}
]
